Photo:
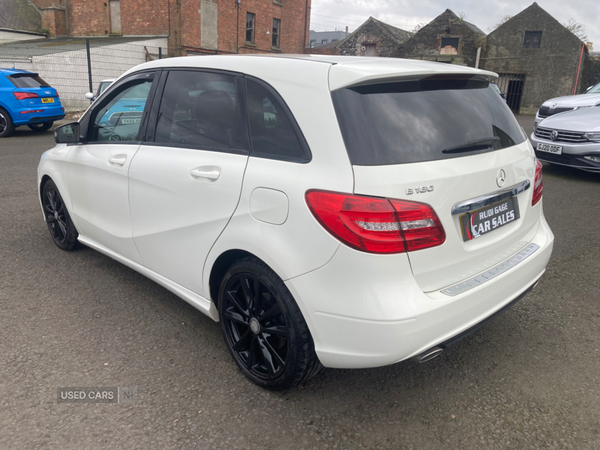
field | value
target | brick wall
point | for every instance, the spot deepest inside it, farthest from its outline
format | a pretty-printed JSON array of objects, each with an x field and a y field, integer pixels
[
  {"x": 89, "y": 17},
  {"x": 231, "y": 26},
  {"x": 53, "y": 20},
  {"x": 144, "y": 18},
  {"x": 182, "y": 23}
]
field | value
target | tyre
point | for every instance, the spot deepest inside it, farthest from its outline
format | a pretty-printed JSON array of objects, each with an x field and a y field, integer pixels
[
  {"x": 7, "y": 127},
  {"x": 263, "y": 327},
  {"x": 63, "y": 232},
  {"x": 43, "y": 126}
]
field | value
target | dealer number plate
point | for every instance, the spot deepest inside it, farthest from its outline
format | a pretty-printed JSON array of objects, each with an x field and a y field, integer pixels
[
  {"x": 47, "y": 100},
  {"x": 485, "y": 220},
  {"x": 549, "y": 148}
]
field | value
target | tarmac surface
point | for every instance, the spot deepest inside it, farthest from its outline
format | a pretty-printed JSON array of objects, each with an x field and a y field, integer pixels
[{"x": 528, "y": 380}]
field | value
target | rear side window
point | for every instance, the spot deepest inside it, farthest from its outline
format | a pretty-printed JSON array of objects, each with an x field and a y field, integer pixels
[
  {"x": 423, "y": 120},
  {"x": 271, "y": 129},
  {"x": 201, "y": 110},
  {"x": 27, "y": 80}
]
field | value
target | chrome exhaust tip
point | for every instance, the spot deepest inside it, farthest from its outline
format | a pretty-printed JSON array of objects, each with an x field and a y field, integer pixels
[{"x": 428, "y": 355}]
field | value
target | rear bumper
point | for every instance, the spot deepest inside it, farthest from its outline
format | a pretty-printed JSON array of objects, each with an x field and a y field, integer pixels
[
  {"x": 47, "y": 114},
  {"x": 367, "y": 311}
]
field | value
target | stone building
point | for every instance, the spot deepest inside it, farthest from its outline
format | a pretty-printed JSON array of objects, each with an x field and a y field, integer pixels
[
  {"x": 536, "y": 57},
  {"x": 192, "y": 26},
  {"x": 447, "y": 38},
  {"x": 372, "y": 38}
]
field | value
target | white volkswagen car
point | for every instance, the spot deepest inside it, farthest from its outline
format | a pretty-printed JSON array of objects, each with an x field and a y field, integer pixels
[{"x": 328, "y": 211}]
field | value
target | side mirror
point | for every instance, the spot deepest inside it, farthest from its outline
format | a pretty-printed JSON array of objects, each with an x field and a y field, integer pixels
[
  {"x": 67, "y": 134},
  {"x": 90, "y": 96}
]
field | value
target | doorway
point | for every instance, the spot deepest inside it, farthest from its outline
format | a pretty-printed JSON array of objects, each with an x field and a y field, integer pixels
[{"x": 512, "y": 85}]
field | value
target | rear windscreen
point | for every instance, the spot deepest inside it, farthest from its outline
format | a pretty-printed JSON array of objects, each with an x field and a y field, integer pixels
[
  {"x": 27, "y": 81},
  {"x": 423, "y": 120}
]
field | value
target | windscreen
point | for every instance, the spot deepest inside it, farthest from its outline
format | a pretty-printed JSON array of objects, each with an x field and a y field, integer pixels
[
  {"x": 27, "y": 80},
  {"x": 594, "y": 89},
  {"x": 423, "y": 120}
]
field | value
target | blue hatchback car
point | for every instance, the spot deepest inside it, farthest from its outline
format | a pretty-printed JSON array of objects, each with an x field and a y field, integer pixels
[{"x": 26, "y": 99}]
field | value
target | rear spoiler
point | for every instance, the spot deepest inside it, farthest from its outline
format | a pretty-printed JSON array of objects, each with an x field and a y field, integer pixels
[{"x": 343, "y": 76}]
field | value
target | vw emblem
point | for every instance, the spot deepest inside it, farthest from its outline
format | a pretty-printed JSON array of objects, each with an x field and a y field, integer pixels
[
  {"x": 501, "y": 178},
  {"x": 554, "y": 135}
]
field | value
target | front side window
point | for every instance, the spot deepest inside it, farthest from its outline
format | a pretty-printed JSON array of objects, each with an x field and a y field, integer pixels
[
  {"x": 201, "y": 110},
  {"x": 250, "y": 27},
  {"x": 423, "y": 120},
  {"x": 533, "y": 39},
  {"x": 119, "y": 116},
  {"x": 276, "y": 30},
  {"x": 271, "y": 129}
]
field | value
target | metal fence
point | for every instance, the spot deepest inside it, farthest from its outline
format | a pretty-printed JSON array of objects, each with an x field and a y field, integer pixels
[{"x": 75, "y": 66}]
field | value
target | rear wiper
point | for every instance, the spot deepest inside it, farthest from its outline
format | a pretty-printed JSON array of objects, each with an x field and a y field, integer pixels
[{"x": 478, "y": 144}]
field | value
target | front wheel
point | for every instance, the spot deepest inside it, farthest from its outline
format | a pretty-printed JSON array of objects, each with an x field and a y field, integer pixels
[
  {"x": 43, "y": 126},
  {"x": 263, "y": 327},
  {"x": 61, "y": 227}
]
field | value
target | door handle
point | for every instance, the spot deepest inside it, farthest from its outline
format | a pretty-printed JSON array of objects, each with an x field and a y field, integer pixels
[
  {"x": 117, "y": 160},
  {"x": 211, "y": 173}
]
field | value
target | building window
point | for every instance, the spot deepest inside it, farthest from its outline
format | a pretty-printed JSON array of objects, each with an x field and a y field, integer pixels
[
  {"x": 313, "y": 43},
  {"x": 449, "y": 46},
  {"x": 250, "y": 27},
  {"x": 334, "y": 40},
  {"x": 276, "y": 31},
  {"x": 533, "y": 39},
  {"x": 324, "y": 41}
]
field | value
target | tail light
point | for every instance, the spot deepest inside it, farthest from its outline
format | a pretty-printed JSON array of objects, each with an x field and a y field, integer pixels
[
  {"x": 377, "y": 225},
  {"x": 25, "y": 95},
  {"x": 538, "y": 185}
]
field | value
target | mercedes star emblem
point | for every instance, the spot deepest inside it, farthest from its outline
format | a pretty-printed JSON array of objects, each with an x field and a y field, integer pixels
[{"x": 501, "y": 178}]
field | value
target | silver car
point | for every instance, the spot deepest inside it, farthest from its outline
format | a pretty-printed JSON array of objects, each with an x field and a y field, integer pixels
[
  {"x": 569, "y": 103},
  {"x": 570, "y": 139}
]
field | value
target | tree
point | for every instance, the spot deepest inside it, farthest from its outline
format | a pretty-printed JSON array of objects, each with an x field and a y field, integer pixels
[
  {"x": 462, "y": 15},
  {"x": 418, "y": 27},
  {"x": 502, "y": 21},
  {"x": 577, "y": 29}
]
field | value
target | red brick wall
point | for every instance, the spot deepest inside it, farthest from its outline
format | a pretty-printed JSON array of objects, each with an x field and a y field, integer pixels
[
  {"x": 294, "y": 26},
  {"x": 151, "y": 17},
  {"x": 89, "y": 17},
  {"x": 53, "y": 20},
  {"x": 144, "y": 17}
]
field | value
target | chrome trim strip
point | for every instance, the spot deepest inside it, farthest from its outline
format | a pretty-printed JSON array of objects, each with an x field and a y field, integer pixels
[
  {"x": 491, "y": 273},
  {"x": 489, "y": 199}
]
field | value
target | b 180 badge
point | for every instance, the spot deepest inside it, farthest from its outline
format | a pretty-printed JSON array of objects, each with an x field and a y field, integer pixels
[{"x": 419, "y": 190}]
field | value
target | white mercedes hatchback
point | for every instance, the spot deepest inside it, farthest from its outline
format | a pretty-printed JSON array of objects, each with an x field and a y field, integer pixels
[{"x": 329, "y": 211}]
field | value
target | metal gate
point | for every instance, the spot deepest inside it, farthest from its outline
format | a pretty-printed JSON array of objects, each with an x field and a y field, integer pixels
[{"x": 512, "y": 85}]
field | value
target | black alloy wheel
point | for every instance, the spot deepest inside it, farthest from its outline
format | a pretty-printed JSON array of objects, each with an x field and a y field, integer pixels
[
  {"x": 263, "y": 327},
  {"x": 59, "y": 222},
  {"x": 6, "y": 124},
  {"x": 43, "y": 126}
]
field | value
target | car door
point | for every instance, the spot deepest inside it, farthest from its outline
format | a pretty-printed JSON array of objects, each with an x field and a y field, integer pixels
[
  {"x": 97, "y": 170},
  {"x": 185, "y": 183}
]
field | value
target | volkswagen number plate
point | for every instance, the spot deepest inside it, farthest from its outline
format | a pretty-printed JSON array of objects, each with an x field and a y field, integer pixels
[
  {"x": 477, "y": 223},
  {"x": 549, "y": 148}
]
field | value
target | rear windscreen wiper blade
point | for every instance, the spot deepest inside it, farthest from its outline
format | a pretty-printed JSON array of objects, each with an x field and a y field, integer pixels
[{"x": 478, "y": 144}]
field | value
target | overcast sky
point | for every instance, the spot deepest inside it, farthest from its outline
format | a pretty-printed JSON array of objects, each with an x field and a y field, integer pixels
[{"x": 331, "y": 14}]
